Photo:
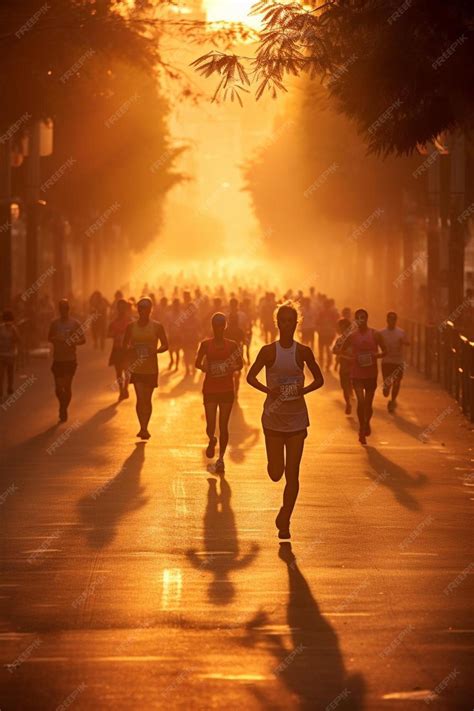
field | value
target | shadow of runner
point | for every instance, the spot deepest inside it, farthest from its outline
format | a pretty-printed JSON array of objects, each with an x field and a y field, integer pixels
[
  {"x": 395, "y": 478},
  {"x": 102, "y": 509},
  {"x": 313, "y": 669},
  {"x": 242, "y": 437},
  {"x": 222, "y": 554}
]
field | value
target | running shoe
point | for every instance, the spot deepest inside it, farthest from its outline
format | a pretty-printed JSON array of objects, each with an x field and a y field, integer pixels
[
  {"x": 143, "y": 434},
  {"x": 362, "y": 439},
  {"x": 283, "y": 526},
  {"x": 220, "y": 466},
  {"x": 211, "y": 448}
]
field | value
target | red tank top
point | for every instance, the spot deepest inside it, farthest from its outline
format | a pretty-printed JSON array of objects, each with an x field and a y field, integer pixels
[
  {"x": 220, "y": 359},
  {"x": 364, "y": 350}
]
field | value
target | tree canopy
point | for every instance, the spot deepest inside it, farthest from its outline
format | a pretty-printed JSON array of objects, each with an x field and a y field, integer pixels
[{"x": 403, "y": 71}]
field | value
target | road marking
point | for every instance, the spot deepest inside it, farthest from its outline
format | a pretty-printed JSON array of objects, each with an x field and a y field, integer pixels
[{"x": 409, "y": 695}]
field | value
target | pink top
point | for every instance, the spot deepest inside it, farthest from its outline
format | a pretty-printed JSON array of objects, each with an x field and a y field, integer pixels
[{"x": 364, "y": 351}]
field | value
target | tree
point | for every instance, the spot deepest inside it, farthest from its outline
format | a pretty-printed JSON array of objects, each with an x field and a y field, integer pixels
[{"x": 403, "y": 72}]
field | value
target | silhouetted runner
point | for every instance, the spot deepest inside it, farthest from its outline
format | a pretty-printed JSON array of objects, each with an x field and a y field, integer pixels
[
  {"x": 285, "y": 415},
  {"x": 344, "y": 328},
  {"x": 141, "y": 339},
  {"x": 65, "y": 334},
  {"x": 364, "y": 345},
  {"x": 119, "y": 356},
  {"x": 219, "y": 358},
  {"x": 9, "y": 345},
  {"x": 393, "y": 364}
]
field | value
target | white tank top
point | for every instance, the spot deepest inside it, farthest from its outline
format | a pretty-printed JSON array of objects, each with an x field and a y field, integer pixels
[{"x": 286, "y": 412}]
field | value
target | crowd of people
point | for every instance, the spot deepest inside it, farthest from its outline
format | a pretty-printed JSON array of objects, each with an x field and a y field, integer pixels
[{"x": 213, "y": 334}]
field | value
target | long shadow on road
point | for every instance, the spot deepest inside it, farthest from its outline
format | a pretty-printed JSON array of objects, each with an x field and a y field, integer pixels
[
  {"x": 222, "y": 553},
  {"x": 313, "y": 667},
  {"x": 102, "y": 509},
  {"x": 395, "y": 478}
]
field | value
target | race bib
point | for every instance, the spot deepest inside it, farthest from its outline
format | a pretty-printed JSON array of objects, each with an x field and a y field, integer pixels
[
  {"x": 218, "y": 368},
  {"x": 142, "y": 350},
  {"x": 289, "y": 387},
  {"x": 365, "y": 360}
]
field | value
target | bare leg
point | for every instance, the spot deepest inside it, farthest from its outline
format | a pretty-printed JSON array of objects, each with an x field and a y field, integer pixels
[
  {"x": 360, "y": 395},
  {"x": 143, "y": 407},
  {"x": 275, "y": 457},
  {"x": 210, "y": 409},
  {"x": 294, "y": 452},
  {"x": 224, "y": 415}
]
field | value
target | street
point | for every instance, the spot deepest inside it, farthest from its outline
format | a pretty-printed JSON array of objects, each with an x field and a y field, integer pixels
[{"x": 134, "y": 578}]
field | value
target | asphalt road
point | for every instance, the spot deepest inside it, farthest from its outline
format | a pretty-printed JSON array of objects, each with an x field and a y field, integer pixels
[{"x": 133, "y": 578}]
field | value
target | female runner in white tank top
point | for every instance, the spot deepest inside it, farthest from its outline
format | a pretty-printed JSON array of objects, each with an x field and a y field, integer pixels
[{"x": 285, "y": 416}]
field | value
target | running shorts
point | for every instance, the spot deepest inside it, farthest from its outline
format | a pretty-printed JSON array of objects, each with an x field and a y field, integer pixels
[
  {"x": 219, "y": 398},
  {"x": 150, "y": 379},
  {"x": 367, "y": 383},
  {"x": 63, "y": 368}
]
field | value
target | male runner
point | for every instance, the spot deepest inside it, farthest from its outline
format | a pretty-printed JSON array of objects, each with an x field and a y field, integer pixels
[
  {"x": 65, "y": 334},
  {"x": 393, "y": 364},
  {"x": 141, "y": 339}
]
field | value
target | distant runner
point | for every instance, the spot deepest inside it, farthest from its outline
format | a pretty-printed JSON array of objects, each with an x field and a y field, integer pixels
[
  {"x": 119, "y": 356},
  {"x": 141, "y": 340},
  {"x": 364, "y": 343},
  {"x": 219, "y": 358},
  {"x": 393, "y": 364},
  {"x": 344, "y": 328},
  {"x": 285, "y": 415},
  {"x": 65, "y": 334},
  {"x": 9, "y": 344}
]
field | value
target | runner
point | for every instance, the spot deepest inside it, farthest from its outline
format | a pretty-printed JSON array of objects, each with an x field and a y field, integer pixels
[
  {"x": 118, "y": 357},
  {"x": 365, "y": 343},
  {"x": 235, "y": 333},
  {"x": 344, "y": 326},
  {"x": 9, "y": 344},
  {"x": 218, "y": 358},
  {"x": 285, "y": 416},
  {"x": 141, "y": 340},
  {"x": 393, "y": 364},
  {"x": 175, "y": 340},
  {"x": 65, "y": 334}
]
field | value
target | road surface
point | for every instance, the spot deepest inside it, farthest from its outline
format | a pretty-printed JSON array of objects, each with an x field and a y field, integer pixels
[{"x": 133, "y": 578}]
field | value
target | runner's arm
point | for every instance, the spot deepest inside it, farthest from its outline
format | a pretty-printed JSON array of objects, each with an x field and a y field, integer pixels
[
  {"x": 200, "y": 357},
  {"x": 381, "y": 344},
  {"x": 260, "y": 362},
  {"x": 127, "y": 336},
  {"x": 163, "y": 338},
  {"x": 315, "y": 370}
]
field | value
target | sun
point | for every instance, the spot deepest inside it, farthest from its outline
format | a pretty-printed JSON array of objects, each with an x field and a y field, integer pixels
[{"x": 231, "y": 11}]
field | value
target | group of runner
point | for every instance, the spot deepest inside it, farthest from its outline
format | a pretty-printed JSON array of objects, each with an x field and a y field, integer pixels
[{"x": 214, "y": 336}]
